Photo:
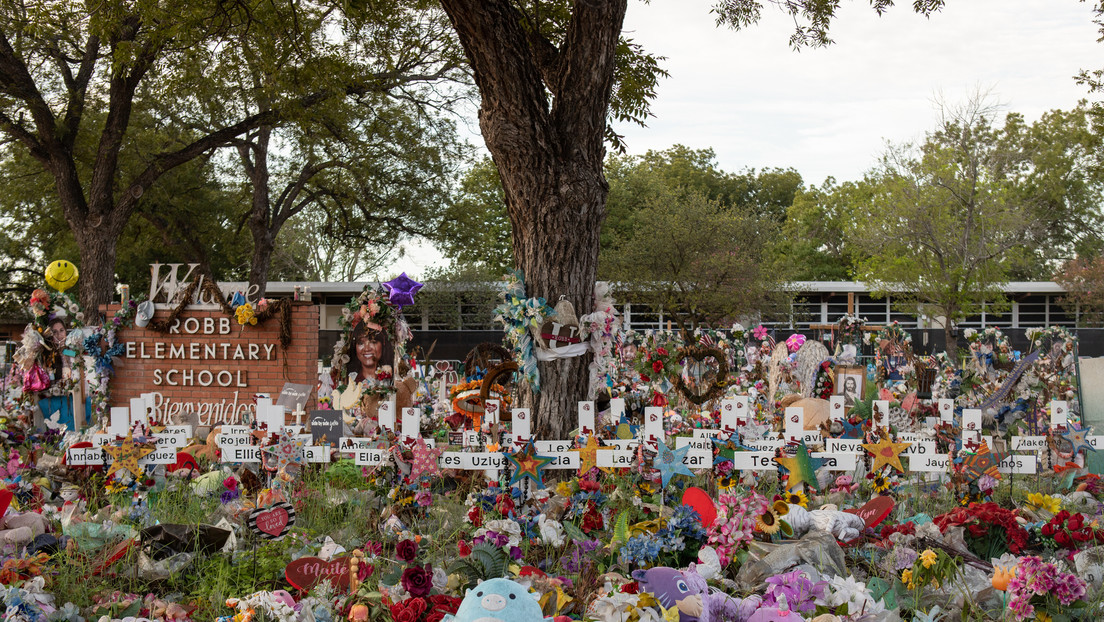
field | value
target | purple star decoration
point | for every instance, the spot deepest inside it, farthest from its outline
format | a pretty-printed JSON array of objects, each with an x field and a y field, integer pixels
[{"x": 402, "y": 289}]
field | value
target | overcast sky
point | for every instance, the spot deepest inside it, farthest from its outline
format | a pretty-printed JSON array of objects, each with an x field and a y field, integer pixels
[{"x": 828, "y": 112}]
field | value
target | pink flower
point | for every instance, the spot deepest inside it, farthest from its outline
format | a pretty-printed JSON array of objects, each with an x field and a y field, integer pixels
[
  {"x": 760, "y": 332},
  {"x": 794, "y": 342}
]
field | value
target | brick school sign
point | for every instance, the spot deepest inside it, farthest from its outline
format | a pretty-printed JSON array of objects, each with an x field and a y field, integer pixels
[{"x": 209, "y": 365}]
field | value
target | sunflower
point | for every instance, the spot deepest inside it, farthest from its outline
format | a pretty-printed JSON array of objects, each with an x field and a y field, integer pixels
[
  {"x": 767, "y": 522},
  {"x": 880, "y": 483},
  {"x": 645, "y": 489},
  {"x": 726, "y": 482},
  {"x": 797, "y": 498}
]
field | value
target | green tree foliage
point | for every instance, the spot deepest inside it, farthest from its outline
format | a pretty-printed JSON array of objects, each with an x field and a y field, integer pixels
[
  {"x": 945, "y": 226},
  {"x": 703, "y": 262},
  {"x": 475, "y": 230},
  {"x": 815, "y": 244}
]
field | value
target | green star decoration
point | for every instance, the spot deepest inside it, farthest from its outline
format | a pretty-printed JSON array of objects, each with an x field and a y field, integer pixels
[
  {"x": 802, "y": 468},
  {"x": 669, "y": 463},
  {"x": 527, "y": 464}
]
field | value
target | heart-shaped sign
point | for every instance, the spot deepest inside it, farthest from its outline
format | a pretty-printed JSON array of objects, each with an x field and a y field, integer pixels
[
  {"x": 705, "y": 392},
  {"x": 875, "y": 511},
  {"x": 700, "y": 501},
  {"x": 5, "y": 500},
  {"x": 307, "y": 572},
  {"x": 272, "y": 522}
]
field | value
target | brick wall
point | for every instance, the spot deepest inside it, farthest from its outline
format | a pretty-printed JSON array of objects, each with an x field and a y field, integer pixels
[{"x": 213, "y": 367}]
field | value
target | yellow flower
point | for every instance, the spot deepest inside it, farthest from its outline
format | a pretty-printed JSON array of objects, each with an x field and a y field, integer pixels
[
  {"x": 1045, "y": 502},
  {"x": 1042, "y": 617},
  {"x": 563, "y": 489},
  {"x": 880, "y": 483},
  {"x": 798, "y": 498},
  {"x": 781, "y": 507},
  {"x": 767, "y": 522},
  {"x": 906, "y": 577},
  {"x": 928, "y": 558}
]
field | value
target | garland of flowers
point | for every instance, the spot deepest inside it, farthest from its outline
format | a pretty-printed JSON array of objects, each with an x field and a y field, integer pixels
[
  {"x": 848, "y": 331},
  {"x": 990, "y": 347},
  {"x": 602, "y": 325},
  {"x": 518, "y": 314},
  {"x": 244, "y": 313}
]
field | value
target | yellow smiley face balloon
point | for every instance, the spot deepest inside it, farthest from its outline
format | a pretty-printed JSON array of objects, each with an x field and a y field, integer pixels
[{"x": 61, "y": 275}]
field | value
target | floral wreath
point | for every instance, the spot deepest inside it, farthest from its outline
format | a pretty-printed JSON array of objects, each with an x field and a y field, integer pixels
[
  {"x": 518, "y": 314},
  {"x": 849, "y": 330}
]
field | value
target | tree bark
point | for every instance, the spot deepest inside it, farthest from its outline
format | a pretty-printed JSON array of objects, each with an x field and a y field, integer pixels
[
  {"x": 950, "y": 340},
  {"x": 543, "y": 116}
]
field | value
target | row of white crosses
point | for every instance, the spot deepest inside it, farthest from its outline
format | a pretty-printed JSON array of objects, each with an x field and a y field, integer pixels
[
  {"x": 237, "y": 442},
  {"x": 121, "y": 421}
]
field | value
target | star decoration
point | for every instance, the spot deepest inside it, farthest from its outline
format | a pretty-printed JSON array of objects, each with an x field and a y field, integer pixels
[
  {"x": 402, "y": 289},
  {"x": 528, "y": 465},
  {"x": 802, "y": 468},
  {"x": 852, "y": 430},
  {"x": 984, "y": 462},
  {"x": 588, "y": 455},
  {"x": 287, "y": 450},
  {"x": 1077, "y": 438},
  {"x": 727, "y": 447},
  {"x": 424, "y": 463},
  {"x": 127, "y": 455},
  {"x": 886, "y": 452},
  {"x": 669, "y": 463}
]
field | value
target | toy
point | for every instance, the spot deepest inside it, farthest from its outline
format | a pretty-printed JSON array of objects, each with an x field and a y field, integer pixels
[
  {"x": 688, "y": 592},
  {"x": 61, "y": 275},
  {"x": 498, "y": 600}
]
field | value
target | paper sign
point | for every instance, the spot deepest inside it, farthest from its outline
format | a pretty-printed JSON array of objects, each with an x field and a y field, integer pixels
[
  {"x": 707, "y": 433},
  {"x": 697, "y": 443},
  {"x": 471, "y": 438},
  {"x": 545, "y": 448},
  {"x": 837, "y": 407},
  {"x": 881, "y": 413},
  {"x": 316, "y": 453},
  {"x": 99, "y": 440},
  {"x": 226, "y": 441},
  {"x": 653, "y": 422},
  {"x": 326, "y": 426},
  {"x": 562, "y": 460},
  {"x": 236, "y": 430},
  {"x": 369, "y": 457},
  {"x": 159, "y": 456},
  {"x": 411, "y": 423},
  {"x": 1059, "y": 413},
  {"x": 86, "y": 456},
  {"x": 522, "y": 423},
  {"x": 971, "y": 420},
  {"x": 920, "y": 448},
  {"x": 617, "y": 409},
  {"x": 795, "y": 419},
  {"x": 616, "y": 458},
  {"x": 1029, "y": 443},
  {"x": 185, "y": 430},
  {"x": 472, "y": 461},
  {"x": 491, "y": 411},
  {"x": 294, "y": 396},
  {"x": 120, "y": 421},
  {"x": 928, "y": 463},
  {"x": 241, "y": 454},
  {"x": 764, "y": 444},
  {"x": 386, "y": 414},
  {"x": 946, "y": 410},
  {"x": 170, "y": 441},
  {"x": 586, "y": 418},
  {"x": 349, "y": 444},
  {"x": 698, "y": 459},
  {"x": 844, "y": 445},
  {"x": 837, "y": 462},
  {"x": 1019, "y": 464},
  {"x": 754, "y": 461},
  {"x": 137, "y": 412}
]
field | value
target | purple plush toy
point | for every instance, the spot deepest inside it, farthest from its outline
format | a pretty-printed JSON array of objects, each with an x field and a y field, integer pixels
[{"x": 688, "y": 592}]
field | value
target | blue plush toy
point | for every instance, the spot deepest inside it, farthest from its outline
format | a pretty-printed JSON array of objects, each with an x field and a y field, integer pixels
[{"x": 498, "y": 600}]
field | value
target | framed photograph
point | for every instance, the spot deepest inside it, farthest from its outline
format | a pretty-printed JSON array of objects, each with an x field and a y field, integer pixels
[{"x": 850, "y": 383}]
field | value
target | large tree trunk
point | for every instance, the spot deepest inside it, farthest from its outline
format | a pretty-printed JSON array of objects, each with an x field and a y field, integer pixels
[
  {"x": 543, "y": 116},
  {"x": 97, "y": 244},
  {"x": 950, "y": 340}
]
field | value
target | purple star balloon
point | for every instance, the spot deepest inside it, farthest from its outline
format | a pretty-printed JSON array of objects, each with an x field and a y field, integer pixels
[{"x": 402, "y": 289}]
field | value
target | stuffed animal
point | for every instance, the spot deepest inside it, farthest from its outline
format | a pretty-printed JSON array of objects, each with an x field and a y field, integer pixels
[
  {"x": 688, "y": 592},
  {"x": 498, "y": 600}
]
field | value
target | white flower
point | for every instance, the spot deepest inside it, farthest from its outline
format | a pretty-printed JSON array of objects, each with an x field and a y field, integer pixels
[
  {"x": 709, "y": 563},
  {"x": 551, "y": 532},
  {"x": 969, "y": 333},
  {"x": 612, "y": 608}
]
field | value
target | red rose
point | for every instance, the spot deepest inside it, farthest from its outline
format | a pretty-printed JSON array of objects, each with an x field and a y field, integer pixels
[
  {"x": 505, "y": 504},
  {"x": 644, "y": 378},
  {"x": 407, "y": 550},
  {"x": 1048, "y": 529},
  {"x": 630, "y": 588},
  {"x": 435, "y": 616},
  {"x": 1081, "y": 536},
  {"x": 1063, "y": 539},
  {"x": 464, "y": 548},
  {"x": 657, "y": 366},
  {"x": 588, "y": 485},
  {"x": 1061, "y": 516},
  {"x": 418, "y": 581},
  {"x": 408, "y": 610},
  {"x": 475, "y": 516},
  {"x": 662, "y": 351},
  {"x": 1076, "y": 522}
]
